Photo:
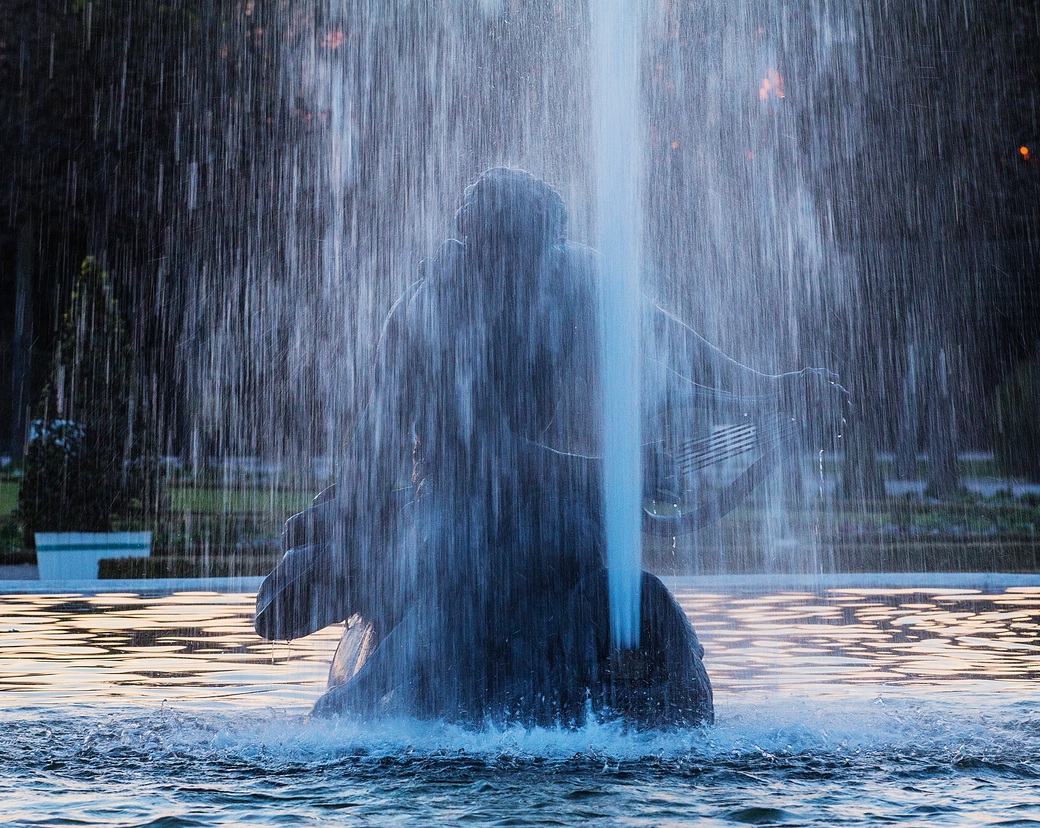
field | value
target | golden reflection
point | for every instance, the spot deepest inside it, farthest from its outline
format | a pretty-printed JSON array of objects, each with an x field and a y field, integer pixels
[
  {"x": 868, "y": 636},
  {"x": 188, "y": 647},
  {"x": 200, "y": 648}
]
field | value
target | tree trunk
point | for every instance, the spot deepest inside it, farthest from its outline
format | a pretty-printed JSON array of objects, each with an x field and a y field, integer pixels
[
  {"x": 861, "y": 477},
  {"x": 22, "y": 346},
  {"x": 942, "y": 430},
  {"x": 907, "y": 431}
]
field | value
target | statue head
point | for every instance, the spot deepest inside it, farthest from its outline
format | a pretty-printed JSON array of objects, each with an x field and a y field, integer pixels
[{"x": 509, "y": 214}]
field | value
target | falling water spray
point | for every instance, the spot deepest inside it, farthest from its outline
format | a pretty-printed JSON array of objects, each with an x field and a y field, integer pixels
[{"x": 616, "y": 36}]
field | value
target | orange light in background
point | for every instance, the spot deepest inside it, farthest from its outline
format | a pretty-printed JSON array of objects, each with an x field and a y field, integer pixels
[
  {"x": 675, "y": 145},
  {"x": 333, "y": 40},
  {"x": 772, "y": 86},
  {"x": 1024, "y": 152}
]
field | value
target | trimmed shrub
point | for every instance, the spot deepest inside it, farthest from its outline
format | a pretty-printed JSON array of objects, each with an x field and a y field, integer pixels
[
  {"x": 87, "y": 462},
  {"x": 1016, "y": 423}
]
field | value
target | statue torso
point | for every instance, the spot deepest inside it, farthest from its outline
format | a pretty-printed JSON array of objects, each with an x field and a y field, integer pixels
[{"x": 496, "y": 367}]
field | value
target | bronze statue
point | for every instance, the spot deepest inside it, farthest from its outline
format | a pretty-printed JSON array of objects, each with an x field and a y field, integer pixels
[{"x": 464, "y": 537}]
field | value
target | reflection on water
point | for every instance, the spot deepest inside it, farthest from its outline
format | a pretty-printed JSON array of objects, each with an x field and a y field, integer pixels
[
  {"x": 200, "y": 648},
  {"x": 868, "y": 636},
  {"x": 842, "y": 706},
  {"x": 186, "y": 647}
]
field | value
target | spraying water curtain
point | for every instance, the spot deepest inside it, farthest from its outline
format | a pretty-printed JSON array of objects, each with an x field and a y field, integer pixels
[
  {"x": 402, "y": 412},
  {"x": 483, "y": 538}
]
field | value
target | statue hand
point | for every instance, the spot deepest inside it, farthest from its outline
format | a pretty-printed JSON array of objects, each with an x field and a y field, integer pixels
[{"x": 817, "y": 401}]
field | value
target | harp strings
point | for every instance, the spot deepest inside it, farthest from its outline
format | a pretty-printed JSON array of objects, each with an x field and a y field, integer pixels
[{"x": 748, "y": 440}]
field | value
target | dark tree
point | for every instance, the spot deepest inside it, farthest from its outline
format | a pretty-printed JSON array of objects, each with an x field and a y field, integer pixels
[{"x": 88, "y": 461}]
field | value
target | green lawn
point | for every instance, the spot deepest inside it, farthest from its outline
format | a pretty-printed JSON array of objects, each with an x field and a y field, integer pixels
[
  {"x": 238, "y": 501},
  {"x": 8, "y": 497},
  {"x": 191, "y": 499}
]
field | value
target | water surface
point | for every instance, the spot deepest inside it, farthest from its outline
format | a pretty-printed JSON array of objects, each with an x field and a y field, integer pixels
[{"x": 839, "y": 705}]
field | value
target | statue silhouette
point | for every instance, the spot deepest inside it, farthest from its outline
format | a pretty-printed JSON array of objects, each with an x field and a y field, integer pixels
[{"x": 464, "y": 538}]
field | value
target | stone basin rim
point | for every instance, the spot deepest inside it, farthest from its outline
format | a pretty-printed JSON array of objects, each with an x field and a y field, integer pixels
[{"x": 745, "y": 584}]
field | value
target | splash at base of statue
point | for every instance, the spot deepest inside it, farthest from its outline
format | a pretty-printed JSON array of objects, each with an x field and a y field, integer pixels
[
  {"x": 559, "y": 682},
  {"x": 517, "y": 631}
]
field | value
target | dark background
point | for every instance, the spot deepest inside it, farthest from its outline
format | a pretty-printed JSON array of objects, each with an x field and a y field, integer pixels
[{"x": 168, "y": 140}]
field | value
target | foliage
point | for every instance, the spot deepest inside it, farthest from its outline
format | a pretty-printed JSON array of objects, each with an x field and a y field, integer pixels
[
  {"x": 110, "y": 113},
  {"x": 1016, "y": 423},
  {"x": 88, "y": 460}
]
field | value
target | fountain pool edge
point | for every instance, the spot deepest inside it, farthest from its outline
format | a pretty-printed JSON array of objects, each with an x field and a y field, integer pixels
[
  {"x": 752, "y": 584},
  {"x": 134, "y": 585},
  {"x": 814, "y": 582}
]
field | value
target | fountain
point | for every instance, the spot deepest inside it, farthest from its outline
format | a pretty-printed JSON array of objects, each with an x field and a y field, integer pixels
[
  {"x": 494, "y": 481},
  {"x": 617, "y": 33},
  {"x": 478, "y": 591},
  {"x": 454, "y": 567}
]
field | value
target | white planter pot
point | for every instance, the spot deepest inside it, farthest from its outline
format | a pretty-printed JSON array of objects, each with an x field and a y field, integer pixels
[{"x": 71, "y": 556}]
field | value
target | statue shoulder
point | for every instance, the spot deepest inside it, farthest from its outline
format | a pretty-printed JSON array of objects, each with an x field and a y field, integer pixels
[
  {"x": 437, "y": 273},
  {"x": 579, "y": 259},
  {"x": 577, "y": 275},
  {"x": 445, "y": 266}
]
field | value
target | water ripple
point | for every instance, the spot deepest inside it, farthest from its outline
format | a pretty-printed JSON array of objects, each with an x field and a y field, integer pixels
[{"x": 807, "y": 734}]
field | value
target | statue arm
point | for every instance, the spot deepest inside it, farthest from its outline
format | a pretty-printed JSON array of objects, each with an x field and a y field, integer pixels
[
  {"x": 381, "y": 441},
  {"x": 685, "y": 355},
  {"x": 319, "y": 582},
  {"x": 384, "y": 438},
  {"x": 686, "y": 361}
]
